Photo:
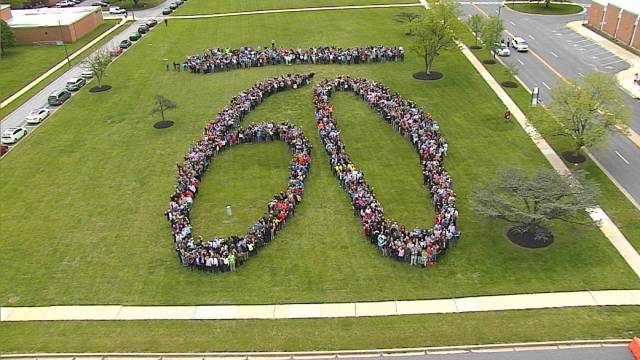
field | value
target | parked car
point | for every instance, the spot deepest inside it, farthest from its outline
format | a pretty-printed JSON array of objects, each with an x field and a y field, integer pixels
[
  {"x": 125, "y": 44},
  {"x": 143, "y": 29},
  {"x": 13, "y": 135},
  {"x": 75, "y": 2},
  {"x": 115, "y": 52},
  {"x": 179, "y": 2},
  {"x": 75, "y": 83},
  {"x": 151, "y": 23},
  {"x": 501, "y": 49},
  {"x": 65, "y": 3},
  {"x": 36, "y": 116},
  {"x": 519, "y": 44},
  {"x": 134, "y": 36},
  {"x": 87, "y": 74},
  {"x": 58, "y": 97},
  {"x": 100, "y": 3},
  {"x": 173, "y": 5},
  {"x": 166, "y": 11},
  {"x": 116, "y": 10}
]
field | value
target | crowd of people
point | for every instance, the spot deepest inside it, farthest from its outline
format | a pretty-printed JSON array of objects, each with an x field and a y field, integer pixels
[
  {"x": 419, "y": 247},
  {"x": 219, "y": 254},
  {"x": 216, "y": 59}
]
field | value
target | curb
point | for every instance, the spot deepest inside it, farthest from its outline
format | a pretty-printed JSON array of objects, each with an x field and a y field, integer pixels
[{"x": 507, "y": 347}]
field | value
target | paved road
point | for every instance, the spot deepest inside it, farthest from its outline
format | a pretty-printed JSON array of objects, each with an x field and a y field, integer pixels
[
  {"x": 16, "y": 118},
  {"x": 606, "y": 353},
  {"x": 573, "y": 56}
]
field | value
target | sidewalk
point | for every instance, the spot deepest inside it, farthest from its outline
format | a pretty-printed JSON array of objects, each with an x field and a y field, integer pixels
[
  {"x": 625, "y": 78},
  {"x": 326, "y": 310}
]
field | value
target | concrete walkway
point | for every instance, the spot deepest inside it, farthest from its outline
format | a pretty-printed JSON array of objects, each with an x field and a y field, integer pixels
[
  {"x": 61, "y": 64},
  {"x": 327, "y": 310},
  {"x": 278, "y": 11}
]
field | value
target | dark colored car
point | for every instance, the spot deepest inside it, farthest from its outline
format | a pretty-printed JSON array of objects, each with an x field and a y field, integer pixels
[
  {"x": 58, "y": 97},
  {"x": 166, "y": 11},
  {"x": 134, "y": 36},
  {"x": 125, "y": 44},
  {"x": 151, "y": 23},
  {"x": 143, "y": 29},
  {"x": 173, "y": 6}
]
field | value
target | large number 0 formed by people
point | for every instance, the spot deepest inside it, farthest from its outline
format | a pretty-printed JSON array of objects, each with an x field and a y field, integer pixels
[{"x": 420, "y": 247}]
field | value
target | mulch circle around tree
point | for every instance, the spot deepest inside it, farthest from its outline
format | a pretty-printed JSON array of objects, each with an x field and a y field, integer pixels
[
  {"x": 475, "y": 47},
  {"x": 509, "y": 84},
  {"x": 573, "y": 158},
  {"x": 434, "y": 75},
  {"x": 527, "y": 239},
  {"x": 97, "y": 89},
  {"x": 489, "y": 62},
  {"x": 163, "y": 124}
]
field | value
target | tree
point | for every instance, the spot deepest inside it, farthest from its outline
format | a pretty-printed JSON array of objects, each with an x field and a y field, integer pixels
[
  {"x": 589, "y": 109},
  {"x": 476, "y": 23},
  {"x": 406, "y": 17},
  {"x": 531, "y": 202},
  {"x": 97, "y": 64},
  {"x": 7, "y": 38},
  {"x": 162, "y": 104},
  {"x": 436, "y": 30},
  {"x": 492, "y": 33}
]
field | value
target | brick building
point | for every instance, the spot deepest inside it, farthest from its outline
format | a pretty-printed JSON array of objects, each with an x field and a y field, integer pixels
[
  {"x": 52, "y": 24},
  {"x": 618, "y": 19}
]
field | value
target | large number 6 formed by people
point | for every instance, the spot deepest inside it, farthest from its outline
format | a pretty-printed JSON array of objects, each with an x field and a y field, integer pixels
[{"x": 420, "y": 247}]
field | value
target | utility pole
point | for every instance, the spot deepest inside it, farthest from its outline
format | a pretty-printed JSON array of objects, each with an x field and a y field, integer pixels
[{"x": 64, "y": 44}]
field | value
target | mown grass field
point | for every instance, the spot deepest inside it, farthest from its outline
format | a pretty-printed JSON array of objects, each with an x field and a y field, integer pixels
[
  {"x": 88, "y": 190},
  {"x": 322, "y": 335},
  {"x": 22, "y": 64},
  {"x": 222, "y": 6}
]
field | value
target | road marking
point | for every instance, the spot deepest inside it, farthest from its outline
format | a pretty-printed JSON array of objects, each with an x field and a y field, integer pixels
[
  {"x": 531, "y": 37},
  {"x": 583, "y": 40},
  {"x": 615, "y": 62},
  {"x": 520, "y": 61},
  {"x": 512, "y": 23},
  {"x": 552, "y": 53},
  {"x": 622, "y": 157},
  {"x": 545, "y": 85},
  {"x": 586, "y": 46},
  {"x": 581, "y": 74}
]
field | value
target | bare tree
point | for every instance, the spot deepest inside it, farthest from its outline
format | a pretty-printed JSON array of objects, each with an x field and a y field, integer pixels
[
  {"x": 531, "y": 202},
  {"x": 162, "y": 104},
  {"x": 492, "y": 32},
  {"x": 476, "y": 23}
]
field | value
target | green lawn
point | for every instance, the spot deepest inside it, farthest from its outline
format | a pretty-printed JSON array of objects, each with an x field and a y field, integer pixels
[
  {"x": 89, "y": 189},
  {"x": 615, "y": 204},
  {"x": 192, "y": 7},
  {"x": 541, "y": 9},
  {"x": 24, "y": 63},
  {"x": 324, "y": 334}
]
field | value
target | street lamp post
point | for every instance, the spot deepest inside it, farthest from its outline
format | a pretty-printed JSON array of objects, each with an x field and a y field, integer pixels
[{"x": 64, "y": 44}]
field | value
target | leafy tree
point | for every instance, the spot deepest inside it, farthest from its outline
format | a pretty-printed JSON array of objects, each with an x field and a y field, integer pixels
[
  {"x": 436, "y": 30},
  {"x": 589, "y": 109},
  {"x": 531, "y": 202},
  {"x": 492, "y": 33},
  {"x": 7, "y": 38},
  {"x": 162, "y": 104},
  {"x": 97, "y": 64},
  {"x": 476, "y": 23}
]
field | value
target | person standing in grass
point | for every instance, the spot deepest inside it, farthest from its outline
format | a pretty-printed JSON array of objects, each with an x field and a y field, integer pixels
[{"x": 232, "y": 262}]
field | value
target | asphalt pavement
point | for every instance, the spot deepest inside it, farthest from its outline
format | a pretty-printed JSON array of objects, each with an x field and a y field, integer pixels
[
  {"x": 599, "y": 353},
  {"x": 572, "y": 56}
]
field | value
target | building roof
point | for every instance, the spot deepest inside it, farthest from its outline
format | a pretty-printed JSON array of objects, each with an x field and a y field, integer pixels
[
  {"x": 632, "y": 6},
  {"x": 49, "y": 16}
]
